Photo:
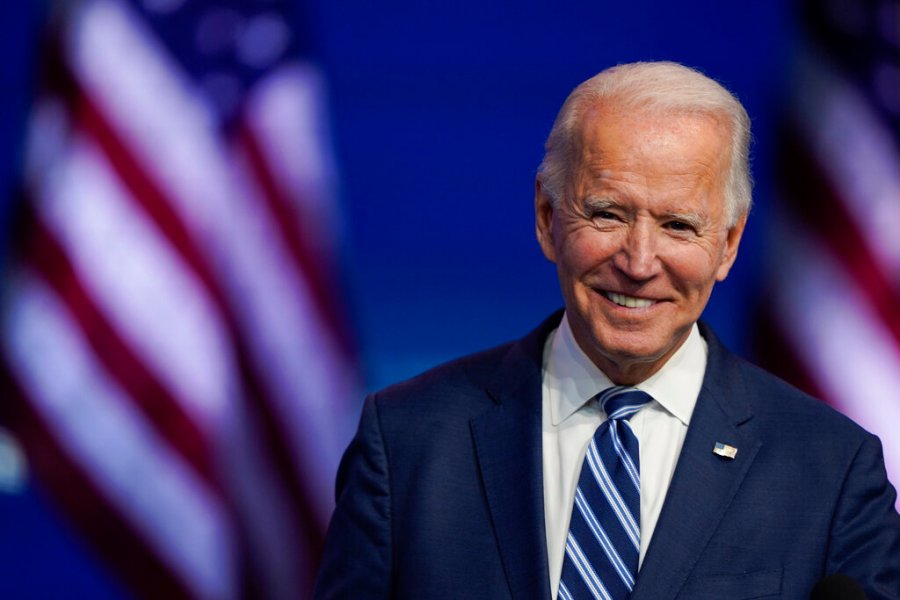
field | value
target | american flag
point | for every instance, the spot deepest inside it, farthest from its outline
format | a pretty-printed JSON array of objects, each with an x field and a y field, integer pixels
[
  {"x": 834, "y": 299},
  {"x": 174, "y": 355}
]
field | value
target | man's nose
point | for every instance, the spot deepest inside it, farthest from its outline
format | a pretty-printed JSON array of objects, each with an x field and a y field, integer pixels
[{"x": 637, "y": 258}]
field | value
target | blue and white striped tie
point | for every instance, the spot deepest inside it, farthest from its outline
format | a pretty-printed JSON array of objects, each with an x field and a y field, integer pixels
[{"x": 604, "y": 539}]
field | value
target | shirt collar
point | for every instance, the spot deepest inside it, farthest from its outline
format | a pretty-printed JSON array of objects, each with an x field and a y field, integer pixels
[{"x": 574, "y": 379}]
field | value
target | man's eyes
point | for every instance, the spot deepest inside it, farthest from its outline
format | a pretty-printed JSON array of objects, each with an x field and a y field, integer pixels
[
  {"x": 602, "y": 212},
  {"x": 679, "y": 226}
]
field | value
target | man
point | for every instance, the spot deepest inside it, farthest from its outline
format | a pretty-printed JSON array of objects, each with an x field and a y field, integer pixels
[{"x": 712, "y": 480}]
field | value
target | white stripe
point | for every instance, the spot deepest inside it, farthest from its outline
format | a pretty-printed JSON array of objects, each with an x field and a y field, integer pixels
[
  {"x": 604, "y": 541},
  {"x": 254, "y": 485},
  {"x": 583, "y": 565},
  {"x": 627, "y": 409},
  {"x": 623, "y": 455},
  {"x": 611, "y": 393},
  {"x": 287, "y": 113},
  {"x": 834, "y": 331},
  {"x": 138, "y": 280},
  {"x": 612, "y": 494},
  {"x": 311, "y": 385},
  {"x": 624, "y": 412},
  {"x": 564, "y": 592},
  {"x": 102, "y": 431},
  {"x": 154, "y": 106}
]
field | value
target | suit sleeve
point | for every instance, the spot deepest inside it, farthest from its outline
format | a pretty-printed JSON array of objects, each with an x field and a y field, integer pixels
[
  {"x": 356, "y": 562},
  {"x": 865, "y": 531}
]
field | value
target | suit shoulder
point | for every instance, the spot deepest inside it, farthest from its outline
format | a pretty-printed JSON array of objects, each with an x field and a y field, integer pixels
[
  {"x": 472, "y": 378},
  {"x": 462, "y": 377}
]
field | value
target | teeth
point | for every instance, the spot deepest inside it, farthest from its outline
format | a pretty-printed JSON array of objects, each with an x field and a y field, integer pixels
[{"x": 629, "y": 301}]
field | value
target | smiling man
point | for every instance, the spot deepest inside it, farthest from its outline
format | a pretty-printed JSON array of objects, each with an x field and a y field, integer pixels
[
  {"x": 641, "y": 230},
  {"x": 619, "y": 450}
]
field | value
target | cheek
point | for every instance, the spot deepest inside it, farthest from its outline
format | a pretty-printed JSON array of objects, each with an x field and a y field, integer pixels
[
  {"x": 700, "y": 277},
  {"x": 691, "y": 268},
  {"x": 584, "y": 251}
]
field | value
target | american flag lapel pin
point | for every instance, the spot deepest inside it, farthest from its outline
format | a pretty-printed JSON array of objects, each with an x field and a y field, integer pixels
[{"x": 725, "y": 451}]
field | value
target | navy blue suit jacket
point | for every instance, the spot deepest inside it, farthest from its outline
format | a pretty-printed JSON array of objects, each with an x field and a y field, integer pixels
[{"x": 440, "y": 494}]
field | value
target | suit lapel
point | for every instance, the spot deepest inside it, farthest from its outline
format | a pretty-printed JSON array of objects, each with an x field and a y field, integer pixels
[
  {"x": 510, "y": 465},
  {"x": 704, "y": 484},
  {"x": 508, "y": 447}
]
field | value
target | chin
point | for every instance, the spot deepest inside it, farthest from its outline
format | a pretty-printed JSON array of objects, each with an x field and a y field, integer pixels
[
  {"x": 627, "y": 348},
  {"x": 623, "y": 354}
]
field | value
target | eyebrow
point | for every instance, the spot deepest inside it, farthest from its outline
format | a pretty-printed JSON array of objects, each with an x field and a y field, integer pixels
[
  {"x": 600, "y": 203},
  {"x": 693, "y": 219}
]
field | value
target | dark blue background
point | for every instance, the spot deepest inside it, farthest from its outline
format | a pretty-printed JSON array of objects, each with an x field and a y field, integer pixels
[{"x": 439, "y": 112}]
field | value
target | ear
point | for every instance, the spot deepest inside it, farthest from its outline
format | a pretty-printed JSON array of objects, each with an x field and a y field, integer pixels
[
  {"x": 732, "y": 241},
  {"x": 543, "y": 220}
]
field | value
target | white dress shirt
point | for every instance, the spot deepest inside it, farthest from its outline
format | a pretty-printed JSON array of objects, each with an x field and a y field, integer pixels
[{"x": 570, "y": 380}]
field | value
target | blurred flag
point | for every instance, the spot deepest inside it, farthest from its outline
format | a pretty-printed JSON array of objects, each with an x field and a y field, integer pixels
[
  {"x": 174, "y": 356},
  {"x": 834, "y": 301}
]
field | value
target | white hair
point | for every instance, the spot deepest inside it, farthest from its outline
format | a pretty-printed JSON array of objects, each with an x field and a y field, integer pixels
[{"x": 658, "y": 87}]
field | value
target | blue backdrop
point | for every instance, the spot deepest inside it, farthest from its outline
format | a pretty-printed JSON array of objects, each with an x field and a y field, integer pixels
[{"x": 440, "y": 112}]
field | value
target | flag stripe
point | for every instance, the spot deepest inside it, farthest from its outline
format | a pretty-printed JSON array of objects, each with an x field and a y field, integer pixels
[
  {"x": 846, "y": 138},
  {"x": 828, "y": 327},
  {"x": 310, "y": 530},
  {"x": 97, "y": 518},
  {"x": 88, "y": 413},
  {"x": 820, "y": 207},
  {"x": 142, "y": 386},
  {"x": 287, "y": 340},
  {"x": 780, "y": 357},
  {"x": 146, "y": 193},
  {"x": 124, "y": 263},
  {"x": 311, "y": 264}
]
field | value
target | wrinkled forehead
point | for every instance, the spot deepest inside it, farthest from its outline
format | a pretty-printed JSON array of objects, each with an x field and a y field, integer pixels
[{"x": 646, "y": 135}]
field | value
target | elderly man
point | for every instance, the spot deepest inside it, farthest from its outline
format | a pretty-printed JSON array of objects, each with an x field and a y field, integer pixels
[{"x": 619, "y": 450}]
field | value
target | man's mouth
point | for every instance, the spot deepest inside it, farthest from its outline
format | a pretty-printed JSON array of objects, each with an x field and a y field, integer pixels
[{"x": 628, "y": 301}]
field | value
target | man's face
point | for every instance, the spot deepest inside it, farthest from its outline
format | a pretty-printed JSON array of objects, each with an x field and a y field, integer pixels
[{"x": 640, "y": 236}]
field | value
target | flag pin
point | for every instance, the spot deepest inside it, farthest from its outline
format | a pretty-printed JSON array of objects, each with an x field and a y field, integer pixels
[{"x": 724, "y": 450}]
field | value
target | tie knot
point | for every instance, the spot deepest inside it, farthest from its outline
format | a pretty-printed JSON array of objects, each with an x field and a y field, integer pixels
[{"x": 621, "y": 401}]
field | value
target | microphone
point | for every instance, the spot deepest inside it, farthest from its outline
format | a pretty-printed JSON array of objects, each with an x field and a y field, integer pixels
[{"x": 837, "y": 587}]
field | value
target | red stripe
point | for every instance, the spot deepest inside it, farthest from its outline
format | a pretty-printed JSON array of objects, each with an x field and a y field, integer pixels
[
  {"x": 152, "y": 200},
  {"x": 145, "y": 192},
  {"x": 313, "y": 266},
  {"x": 814, "y": 197},
  {"x": 311, "y": 530},
  {"x": 149, "y": 394},
  {"x": 97, "y": 519},
  {"x": 775, "y": 353}
]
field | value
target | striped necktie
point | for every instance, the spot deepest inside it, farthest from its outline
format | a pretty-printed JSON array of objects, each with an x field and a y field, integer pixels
[{"x": 603, "y": 543}]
